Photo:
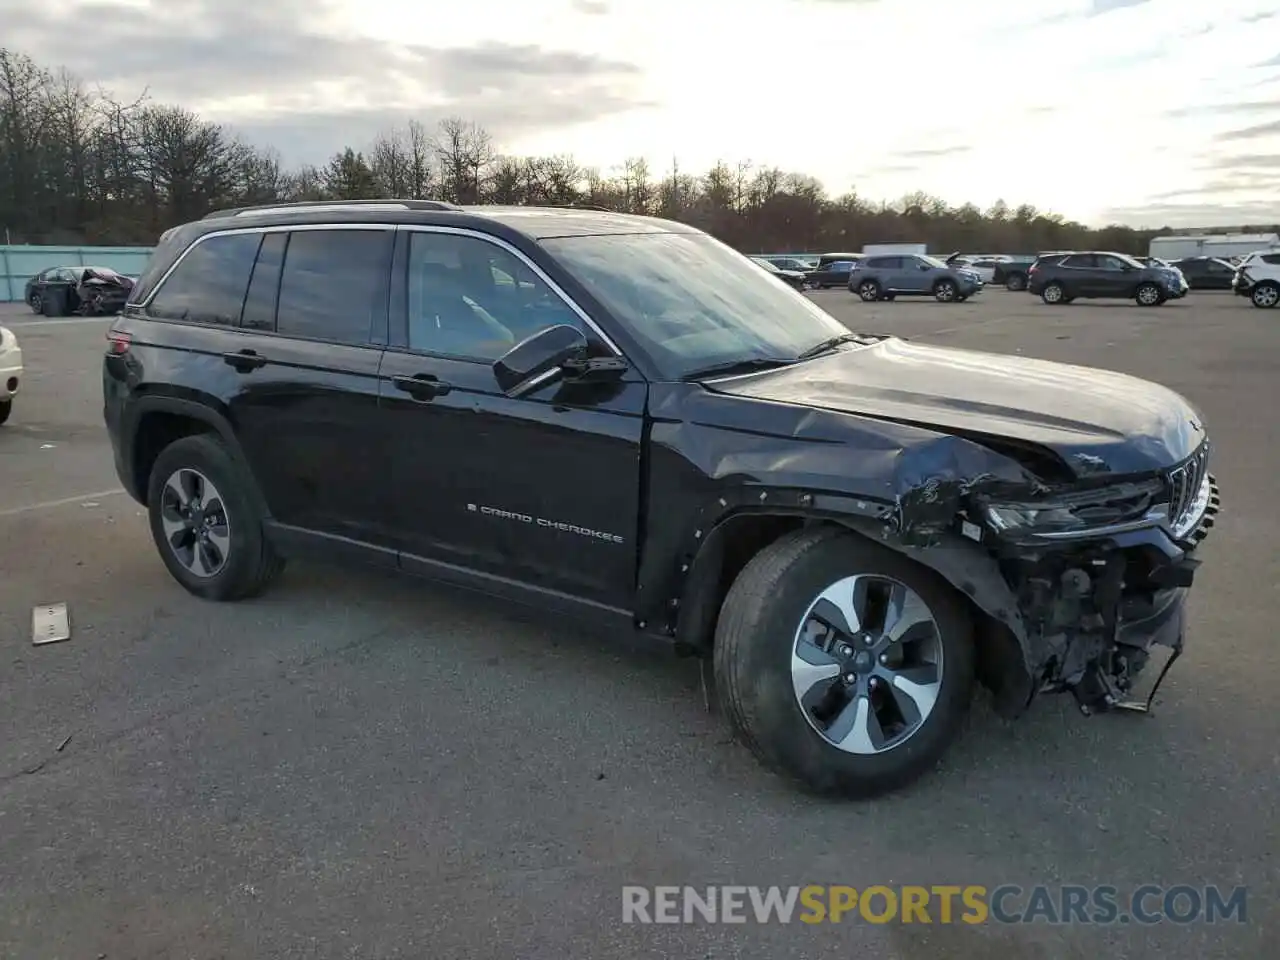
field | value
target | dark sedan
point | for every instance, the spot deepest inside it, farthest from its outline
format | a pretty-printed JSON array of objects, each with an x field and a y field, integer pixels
[
  {"x": 1206, "y": 273},
  {"x": 833, "y": 270},
  {"x": 88, "y": 291},
  {"x": 792, "y": 277}
]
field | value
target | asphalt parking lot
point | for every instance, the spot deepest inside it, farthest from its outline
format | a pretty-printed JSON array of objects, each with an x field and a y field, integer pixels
[{"x": 361, "y": 766}]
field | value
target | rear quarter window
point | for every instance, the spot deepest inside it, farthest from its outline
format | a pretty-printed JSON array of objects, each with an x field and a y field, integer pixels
[{"x": 209, "y": 283}]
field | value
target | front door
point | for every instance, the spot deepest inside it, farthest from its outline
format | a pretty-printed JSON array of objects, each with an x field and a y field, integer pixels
[
  {"x": 914, "y": 275},
  {"x": 543, "y": 489}
]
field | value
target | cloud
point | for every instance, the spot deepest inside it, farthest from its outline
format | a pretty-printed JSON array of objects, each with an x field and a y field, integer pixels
[
  {"x": 932, "y": 153},
  {"x": 1242, "y": 183},
  {"x": 1098, "y": 7},
  {"x": 1269, "y": 129},
  {"x": 1251, "y": 106},
  {"x": 1266, "y": 160},
  {"x": 592, "y": 8},
  {"x": 202, "y": 53},
  {"x": 1255, "y": 17},
  {"x": 1195, "y": 215}
]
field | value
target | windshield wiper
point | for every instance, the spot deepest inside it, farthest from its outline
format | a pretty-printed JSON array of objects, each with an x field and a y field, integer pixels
[
  {"x": 827, "y": 345},
  {"x": 730, "y": 367}
]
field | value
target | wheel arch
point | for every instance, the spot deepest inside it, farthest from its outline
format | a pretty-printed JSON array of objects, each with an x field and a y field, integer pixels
[
  {"x": 157, "y": 420},
  {"x": 1006, "y": 664}
]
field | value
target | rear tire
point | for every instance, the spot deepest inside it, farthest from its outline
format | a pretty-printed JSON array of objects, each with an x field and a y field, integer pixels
[
  {"x": 869, "y": 291},
  {"x": 247, "y": 563},
  {"x": 1265, "y": 295},
  {"x": 1053, "y": 294},
  {"x": 1015, "y": 282},
  {"x": 35, "y": 303},
  {"x": 764, "y": 624}
]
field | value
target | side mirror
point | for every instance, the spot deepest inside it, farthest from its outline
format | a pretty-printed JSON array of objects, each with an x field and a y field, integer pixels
[
  {"x": 561, "y": 350},
  {"x": 536, "y": 357}
]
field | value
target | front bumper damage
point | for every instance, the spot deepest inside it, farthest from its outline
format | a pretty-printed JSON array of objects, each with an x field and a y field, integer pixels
[{"x": 1075, "y": 613}]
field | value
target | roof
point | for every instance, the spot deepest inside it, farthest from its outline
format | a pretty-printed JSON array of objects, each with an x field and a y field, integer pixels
[{"x": 537, "y": 223}]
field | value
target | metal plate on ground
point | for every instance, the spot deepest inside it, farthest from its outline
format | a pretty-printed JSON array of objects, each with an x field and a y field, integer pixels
[{"x": 49, "y": 624}]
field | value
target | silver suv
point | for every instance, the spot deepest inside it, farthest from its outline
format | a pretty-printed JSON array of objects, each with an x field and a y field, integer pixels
[{"x": 886, "y": 277}]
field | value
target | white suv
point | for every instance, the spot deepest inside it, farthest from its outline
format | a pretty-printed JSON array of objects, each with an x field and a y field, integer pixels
[{"x": 1258, "y": 278}]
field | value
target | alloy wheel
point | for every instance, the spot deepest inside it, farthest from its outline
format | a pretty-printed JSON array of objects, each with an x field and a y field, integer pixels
[
  {"x": 946, "y": 291},
  {"x": 1266, "y": 296},
  {"x": 196, "y": 527},
  {"x": 1148, "y": 295},
  {"x": 866, "y": 664}
]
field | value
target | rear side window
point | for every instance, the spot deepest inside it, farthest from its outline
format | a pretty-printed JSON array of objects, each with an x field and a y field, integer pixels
[
  {"x": 334, "y": 284},
  {"x": 1271, "y": 258},
  {"x": 209, "y": 283}
]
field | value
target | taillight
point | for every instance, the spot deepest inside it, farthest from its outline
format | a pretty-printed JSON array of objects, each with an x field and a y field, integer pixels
[
  {"x": 118, "y": 342},
  {"x": 1033, "y": 268}
]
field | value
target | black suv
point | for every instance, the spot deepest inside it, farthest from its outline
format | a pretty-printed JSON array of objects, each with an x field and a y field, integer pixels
[
  {"x": 623, "y": 418},
  {"x": 1062, "y": 277}
]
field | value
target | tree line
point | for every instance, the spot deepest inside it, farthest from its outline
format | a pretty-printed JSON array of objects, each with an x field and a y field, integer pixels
[{"x": 79, "y": 165}]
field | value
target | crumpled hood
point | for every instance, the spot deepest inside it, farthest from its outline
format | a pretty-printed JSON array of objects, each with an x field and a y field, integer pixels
[{"x": 1096, "y": 421}]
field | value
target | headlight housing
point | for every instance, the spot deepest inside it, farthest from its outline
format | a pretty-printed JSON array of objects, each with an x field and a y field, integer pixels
[{"x": 1076, "y": 514}]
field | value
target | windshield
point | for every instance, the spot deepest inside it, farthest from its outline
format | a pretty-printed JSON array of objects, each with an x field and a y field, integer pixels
[
  {"x": 771, "y": 267},
  {"x": 934, "y": 261},
  {"x": 693, "y": 302},
  {"x": 1125, "y": 258}
]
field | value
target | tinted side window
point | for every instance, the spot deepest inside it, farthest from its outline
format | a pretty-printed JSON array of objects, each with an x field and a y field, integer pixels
[
  {"x": 334, "y": 284},
  {"x": 209, "y": 284},
  {"x": 471, "y": 299},
  {"x": 1081, "y": 261},
  {"x": 1272, "y": 258},
  {"x": 260, "y": 302}
]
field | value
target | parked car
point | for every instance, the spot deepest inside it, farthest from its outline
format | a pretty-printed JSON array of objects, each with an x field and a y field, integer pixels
[
  {"x": 886, "y": 277},
  {"x": 832, "y": 270},
  {"x": 791, "y": 263},
  {"x": 10, "y": 371},
  {"x": 1258, "y": 278},
  {"x": 793, "y": 278},
  {"x": 984, "y": 267},
  {"x": 1012, "y": 272},
  {"x": 1062, "y": 277},
  {"x": 847, "y": 528},
  {"x": 1206, "y": 273},
  {"x": 87, "y": 291}
]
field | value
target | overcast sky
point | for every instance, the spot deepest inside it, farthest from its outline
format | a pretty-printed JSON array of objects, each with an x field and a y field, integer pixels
[{"x": 1145, "y": 111}]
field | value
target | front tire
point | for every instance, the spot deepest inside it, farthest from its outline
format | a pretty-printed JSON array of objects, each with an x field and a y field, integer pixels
[
  {"x": 35, "y": 303},
  {"x": 845, "y": 709},
  {"x": 205, "y": 524},
  {"x": 1265, "y": 295},
  {"x": 6, "y": 408},
  {"x": 944, "y": 291},
  {"x": 1149, "y": 295},
  {"x": 869, "y": 291}
]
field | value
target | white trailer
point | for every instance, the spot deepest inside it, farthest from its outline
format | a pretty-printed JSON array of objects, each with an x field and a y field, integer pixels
[
  {"x": 1211, "y": 245},
  {"x": 880, "y": 249}
]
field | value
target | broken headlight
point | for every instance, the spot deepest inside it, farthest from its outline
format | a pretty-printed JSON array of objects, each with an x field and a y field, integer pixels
[{"x": 1076, "y": 513}]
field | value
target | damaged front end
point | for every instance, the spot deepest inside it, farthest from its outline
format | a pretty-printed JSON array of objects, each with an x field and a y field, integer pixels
[
  {"x": 1098, "y": 573},
  {"x": 101, "y": 292}
]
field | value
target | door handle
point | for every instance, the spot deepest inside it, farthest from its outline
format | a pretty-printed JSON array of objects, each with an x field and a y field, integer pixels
[
  {"x": 422, "y": 387},
  {"x": 244, "y": 360}
]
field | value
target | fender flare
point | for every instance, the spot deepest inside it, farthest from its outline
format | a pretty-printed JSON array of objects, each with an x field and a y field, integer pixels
[
  {"x": 963, "y": 564},
  {"x": 206, "y": 412}
]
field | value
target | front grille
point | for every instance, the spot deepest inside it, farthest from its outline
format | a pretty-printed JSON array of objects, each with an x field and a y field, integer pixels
[{"x": 1187, "y": 508}]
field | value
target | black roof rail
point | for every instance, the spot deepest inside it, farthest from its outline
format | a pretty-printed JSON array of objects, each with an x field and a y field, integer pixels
[{"x": 296, "y": 206}]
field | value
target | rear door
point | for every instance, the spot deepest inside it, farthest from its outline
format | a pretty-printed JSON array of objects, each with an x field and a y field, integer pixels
[
  {"x": 304, "y": 379},
  {"x": 1078, "y": 273}
]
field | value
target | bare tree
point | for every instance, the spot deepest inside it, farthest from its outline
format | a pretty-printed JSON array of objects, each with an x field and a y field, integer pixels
[{"x": 464, "y": 151}]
